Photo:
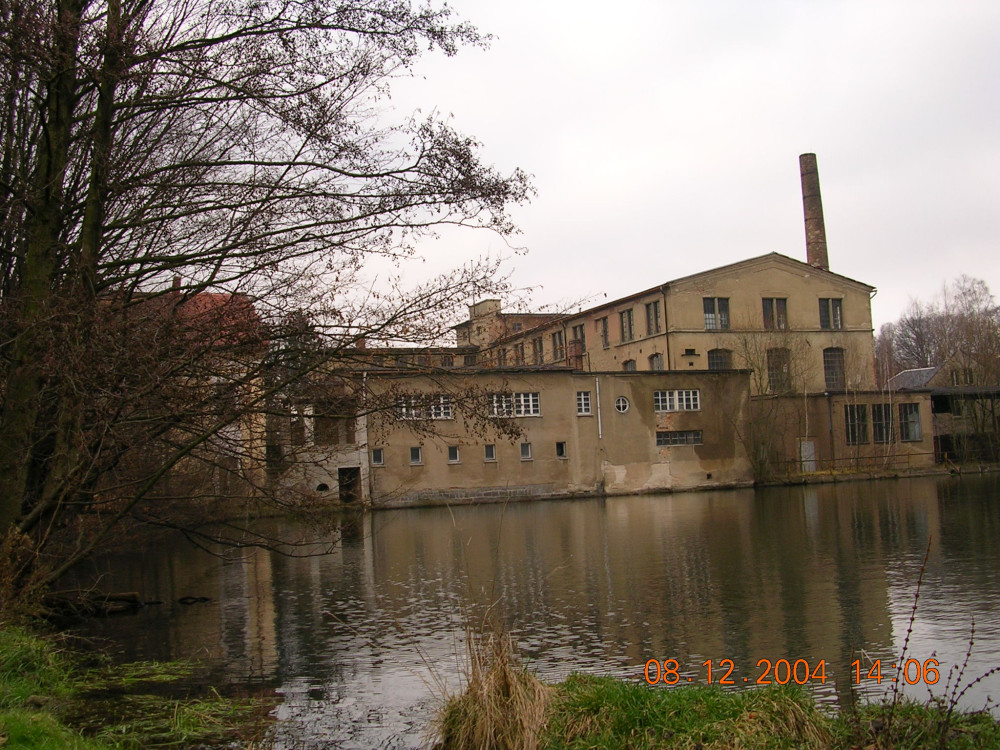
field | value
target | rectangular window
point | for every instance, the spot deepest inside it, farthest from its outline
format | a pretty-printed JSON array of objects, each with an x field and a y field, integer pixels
[
  {"x": 652, "y": 317},
  {"x": 537, "y": 352},
  {"x": 526, "y": 405},
  {"x": 882, "y": 431},
  {"x": 961, "y": 376},
  {"x": 489, "y": 452},
  {"x": 681, "y": 400},
  {"x": 558, "y": 349},
  {"x": 453, "y": 454},
  {"x": 440, "y": 407},
  {"x": 501, "y": 357},
  {"x": 297, "y": 428},
  {"x": 469, "y": 360},
  {"x": 525, "y": 451},
  {"x": 518, "y": 354},
  {"x": 583, "y": 402},
  {"x": 716, "y": 313},
  {"x": 678, "y": 437},
  {"x": 602, "y": 332},
  {"x": 514, "y": 405},
  {"x": 329, "y": 429},
  {"x": 561, "y": 450},
  {"x": 627, "y": 325},
  {"x": 775, "y": 313},
  {"x": 424, "y": 407},
  {"x": 580, "y": 334},
  {"x": 501, "y": 405},
  {"x": 856, "y": 424},
  {"x": 779, "y": 375},
  {"x": 831, "y": 313},
  {"x": 378, "y": 457},
  {"x": 409, "y": 407},
  {"x": 833, "y": 369},
  {"x": 909, "y": 422},
  {"x": 416, "y": 456}
]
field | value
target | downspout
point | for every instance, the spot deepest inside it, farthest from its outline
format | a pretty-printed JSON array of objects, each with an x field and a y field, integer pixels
[
  {"x": 367, "y": 447},
  {"x": 600, "y": 435},
  {"x": 829, "y": 416},
  {"x": 666, "y": 328},
  {"x": 600, "y": 427}
]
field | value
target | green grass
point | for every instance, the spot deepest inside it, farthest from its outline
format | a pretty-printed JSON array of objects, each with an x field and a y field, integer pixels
[
  {"x": 22, "y": 728},
  {"x": 31, "y": 666},
  {"x": 587, "y": 713},
  {"x": 48, "y": 701},
  {"x": 592, "y": 712}
]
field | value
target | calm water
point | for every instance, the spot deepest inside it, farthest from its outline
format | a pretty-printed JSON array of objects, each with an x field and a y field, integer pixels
[{"x": 361, "y": 640}]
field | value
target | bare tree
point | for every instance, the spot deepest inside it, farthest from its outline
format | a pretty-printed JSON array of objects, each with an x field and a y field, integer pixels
[
  {"x": 959, "y": 327},
  {"x": 238, "y": 148},
  {"x": 958, "y": 331},
  {"x": 779, "y": 364}
]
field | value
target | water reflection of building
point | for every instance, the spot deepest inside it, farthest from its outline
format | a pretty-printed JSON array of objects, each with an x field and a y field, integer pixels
[
  {"x": 714, "y": 576},
  {"x": 598, "y": 585}
]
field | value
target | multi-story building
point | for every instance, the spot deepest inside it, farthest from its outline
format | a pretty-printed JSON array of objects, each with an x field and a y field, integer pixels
[
  {"x": 753, "y": 370},
  {"x": 798, "y": 327}
]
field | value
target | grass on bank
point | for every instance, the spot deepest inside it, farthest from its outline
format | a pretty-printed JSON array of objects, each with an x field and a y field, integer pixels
[
  {"x": 504, "y": 707},
  {"x": 48, "y": 700}
]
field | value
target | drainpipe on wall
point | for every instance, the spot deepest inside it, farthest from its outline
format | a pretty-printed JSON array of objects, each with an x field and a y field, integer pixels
[
  {"x": 829, "y": 416},
  {"x": 600, "y": 427},
  {"x": 367, "y": 450},
  {"x": 666, "y": 329}
]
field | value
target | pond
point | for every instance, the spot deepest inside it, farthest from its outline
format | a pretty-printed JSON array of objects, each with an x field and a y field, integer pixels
[{"x": 361, "y": 641}]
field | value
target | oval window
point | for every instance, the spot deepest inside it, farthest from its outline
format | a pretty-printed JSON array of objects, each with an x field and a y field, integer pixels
[{"x": 621, "y": 404}]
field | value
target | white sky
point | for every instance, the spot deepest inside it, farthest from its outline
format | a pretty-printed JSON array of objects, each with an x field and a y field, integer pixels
[{"x": 664, "y": 137}]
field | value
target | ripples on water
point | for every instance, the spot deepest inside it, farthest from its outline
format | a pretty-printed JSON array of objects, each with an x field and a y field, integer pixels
[{"x": 362, "y": 642}]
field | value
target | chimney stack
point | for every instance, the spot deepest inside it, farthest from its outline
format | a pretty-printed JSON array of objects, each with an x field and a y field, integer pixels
[{"x": 812, "y": 207}]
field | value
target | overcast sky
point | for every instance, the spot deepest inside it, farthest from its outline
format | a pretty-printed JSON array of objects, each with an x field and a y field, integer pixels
[{"x": 664, "y": 137}]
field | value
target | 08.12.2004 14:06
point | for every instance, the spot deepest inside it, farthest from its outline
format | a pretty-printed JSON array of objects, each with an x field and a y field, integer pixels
[{"x": 785, "y": 671}]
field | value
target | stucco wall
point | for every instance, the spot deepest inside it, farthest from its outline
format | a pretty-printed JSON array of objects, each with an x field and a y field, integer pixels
[{"x": 604, "y": 451}]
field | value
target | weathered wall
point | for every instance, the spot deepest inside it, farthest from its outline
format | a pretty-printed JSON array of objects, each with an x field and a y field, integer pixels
[
  {"x": 683, "y": 341},
  {"x": 604, "y": 451}
]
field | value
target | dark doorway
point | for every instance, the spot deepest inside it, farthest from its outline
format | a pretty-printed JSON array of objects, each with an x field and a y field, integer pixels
[{"x": 350, "y": 484}]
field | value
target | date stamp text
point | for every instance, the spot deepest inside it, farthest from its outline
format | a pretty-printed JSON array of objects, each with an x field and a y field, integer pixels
[{"x": 798, "y": 671}]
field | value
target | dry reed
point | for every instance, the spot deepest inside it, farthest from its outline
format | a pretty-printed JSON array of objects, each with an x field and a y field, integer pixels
[{"x": 502, "y": 706}]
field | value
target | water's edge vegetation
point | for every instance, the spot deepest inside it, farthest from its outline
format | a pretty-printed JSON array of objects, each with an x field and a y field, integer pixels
[
  {"x": 52, "y": 696},
  {"x": 505, "y": 707}
]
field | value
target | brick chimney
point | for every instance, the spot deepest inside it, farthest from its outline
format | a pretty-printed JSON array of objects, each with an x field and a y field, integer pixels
[{"x": 812, "y": 207}]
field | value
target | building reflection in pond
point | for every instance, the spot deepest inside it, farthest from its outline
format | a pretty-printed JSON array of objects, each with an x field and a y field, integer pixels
[{"x": 817, "y": 573}]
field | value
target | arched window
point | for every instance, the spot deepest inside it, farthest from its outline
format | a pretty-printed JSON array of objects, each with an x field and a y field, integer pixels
[{"x": 720, "y": 359}]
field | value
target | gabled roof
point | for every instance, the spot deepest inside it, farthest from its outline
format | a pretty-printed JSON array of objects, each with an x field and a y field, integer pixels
[
  {"x": 760, "y": 260},
  {"x": 798, "y": 265},
  {"x": 915, "y": 379}
]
